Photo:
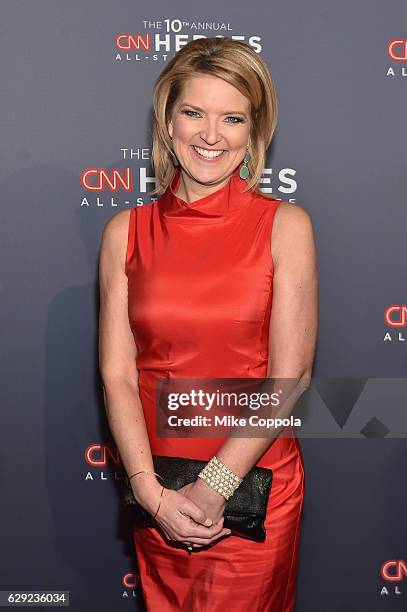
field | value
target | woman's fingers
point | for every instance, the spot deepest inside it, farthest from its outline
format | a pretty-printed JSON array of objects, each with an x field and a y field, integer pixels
[
  {"x": 178, "y": 522},
  {"x": 188, "y": 528},
  {"x": 184, "y": 529},
  {"x": 206, "y": 541},
  {"x": 209, "y": 538},
  {"x": 199, "y": 516}
]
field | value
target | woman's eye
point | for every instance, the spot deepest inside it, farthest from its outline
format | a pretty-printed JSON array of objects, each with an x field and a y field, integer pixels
[
  {"x": 235, "y": 119},
  {"x": 238, "y": 119},
  {"x": 189, "y": 111}
]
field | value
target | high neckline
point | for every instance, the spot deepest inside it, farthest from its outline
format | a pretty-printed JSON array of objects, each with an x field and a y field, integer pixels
[{"x": 210, "y": 208}]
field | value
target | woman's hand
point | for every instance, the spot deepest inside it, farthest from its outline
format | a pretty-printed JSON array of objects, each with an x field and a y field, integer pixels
[
  {"x": 180, "y": 518},
  {"x": 212, "y": 503}
]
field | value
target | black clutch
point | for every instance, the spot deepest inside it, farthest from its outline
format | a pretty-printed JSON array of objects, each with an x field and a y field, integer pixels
[{"x": 245, "y": 510}]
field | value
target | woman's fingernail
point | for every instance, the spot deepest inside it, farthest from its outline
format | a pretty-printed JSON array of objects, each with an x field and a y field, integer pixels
[
  {"x": 208, "y": 522},
  {"x": 228, "y": 532}
]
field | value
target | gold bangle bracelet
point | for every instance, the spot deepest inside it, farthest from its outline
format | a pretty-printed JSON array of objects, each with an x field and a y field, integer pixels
[
  {"x": 145, "y": 472},
  {"x": 161, "y": 498}
]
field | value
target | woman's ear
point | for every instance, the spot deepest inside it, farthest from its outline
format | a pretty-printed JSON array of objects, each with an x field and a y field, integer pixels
[{"x": 169, "y": 128}]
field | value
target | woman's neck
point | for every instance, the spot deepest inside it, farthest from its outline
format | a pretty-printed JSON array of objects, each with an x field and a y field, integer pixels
[{"x": 191, "y": 190}]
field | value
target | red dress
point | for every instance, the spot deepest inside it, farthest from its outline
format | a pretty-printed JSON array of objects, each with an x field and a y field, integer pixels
[{"x": 200, "y": 295}]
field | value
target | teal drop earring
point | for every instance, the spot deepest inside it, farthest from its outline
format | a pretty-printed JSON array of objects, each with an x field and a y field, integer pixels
[{"x": 244, "y": 170}]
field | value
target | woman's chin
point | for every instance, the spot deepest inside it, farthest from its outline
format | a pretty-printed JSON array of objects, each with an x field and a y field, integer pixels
[{"x": 209, "y": 174}]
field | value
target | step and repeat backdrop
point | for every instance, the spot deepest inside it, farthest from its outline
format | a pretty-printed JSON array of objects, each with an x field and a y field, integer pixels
[{"x": 76, "y": 93}]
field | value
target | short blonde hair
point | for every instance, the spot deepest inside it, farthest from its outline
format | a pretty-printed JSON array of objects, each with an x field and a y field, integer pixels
[{"x": 236, "y": 63}]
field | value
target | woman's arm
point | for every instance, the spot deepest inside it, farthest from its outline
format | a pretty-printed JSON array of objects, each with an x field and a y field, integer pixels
[
  {"x": 181, "y": 519},
  {"x": 292, "y": 339},
  {"x": 293, "y": 323},
  {"x": 117, "y": 355}
]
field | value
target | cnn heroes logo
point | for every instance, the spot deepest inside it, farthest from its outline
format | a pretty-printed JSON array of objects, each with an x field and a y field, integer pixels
[
  {"x": 395, "y": 317},
  {"x": 393, "y": 571},
  {"x": 126, "y": 182},
  {"x": 161, "y": 38},
  {"x": 397, "y": 52}
]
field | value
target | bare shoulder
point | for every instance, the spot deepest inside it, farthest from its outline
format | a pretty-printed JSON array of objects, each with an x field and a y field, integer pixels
[
  {"x": 114, "y": 237},
  {"x": 292, "y": 230},
  {"x": 292, "y": 216},
  {"x": 117, "y": 226}
]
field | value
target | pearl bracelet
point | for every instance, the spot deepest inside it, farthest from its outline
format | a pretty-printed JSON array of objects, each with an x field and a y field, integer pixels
[{"x": 220, "y": 477}]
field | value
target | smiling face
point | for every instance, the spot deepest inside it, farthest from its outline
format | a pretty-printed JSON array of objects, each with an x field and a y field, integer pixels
[{"x": 209, "y": 127}]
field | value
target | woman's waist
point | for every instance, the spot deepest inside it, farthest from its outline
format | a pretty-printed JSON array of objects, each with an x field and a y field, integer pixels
[
  {"x": 281, "y": 452},
  {"x": 213, "y": 365}
]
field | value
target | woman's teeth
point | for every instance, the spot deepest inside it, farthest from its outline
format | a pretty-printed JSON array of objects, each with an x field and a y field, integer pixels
[{"x": 207, "y": 154}]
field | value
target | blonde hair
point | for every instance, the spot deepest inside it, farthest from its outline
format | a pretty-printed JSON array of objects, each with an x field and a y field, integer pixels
[{"x": 236, "y": 63}]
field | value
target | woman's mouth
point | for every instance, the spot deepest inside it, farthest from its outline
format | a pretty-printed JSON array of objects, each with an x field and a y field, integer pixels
[{"x": 208, "y": 155}]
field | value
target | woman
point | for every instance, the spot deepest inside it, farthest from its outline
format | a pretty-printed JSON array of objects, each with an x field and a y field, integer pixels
[{"x": 212, "y": 280}]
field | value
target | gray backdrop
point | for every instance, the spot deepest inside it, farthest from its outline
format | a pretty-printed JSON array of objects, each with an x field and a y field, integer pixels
[{"x": 67, "y": 105}]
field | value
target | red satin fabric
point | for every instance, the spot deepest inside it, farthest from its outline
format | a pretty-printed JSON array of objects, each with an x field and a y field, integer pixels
[{"x": 200, "y": 296}]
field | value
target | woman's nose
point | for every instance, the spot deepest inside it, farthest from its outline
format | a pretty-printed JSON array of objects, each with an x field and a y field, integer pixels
[{"x": 210, "y": 133}]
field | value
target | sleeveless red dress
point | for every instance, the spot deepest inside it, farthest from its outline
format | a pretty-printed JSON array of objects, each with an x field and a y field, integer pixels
[{"x": 199, "y": 301}]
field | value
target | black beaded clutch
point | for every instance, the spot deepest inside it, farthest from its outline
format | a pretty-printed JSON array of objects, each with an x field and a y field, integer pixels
[{"x": 245, "y": 510}]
